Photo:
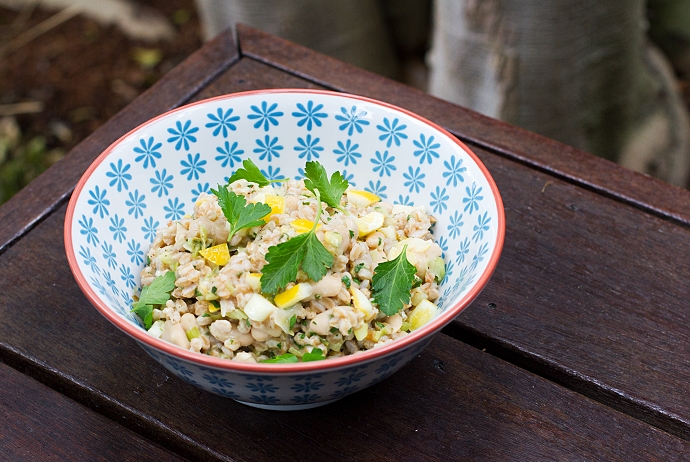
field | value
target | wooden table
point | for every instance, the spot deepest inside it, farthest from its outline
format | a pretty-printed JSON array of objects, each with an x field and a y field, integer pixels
[{"x": 578, "y": 348}]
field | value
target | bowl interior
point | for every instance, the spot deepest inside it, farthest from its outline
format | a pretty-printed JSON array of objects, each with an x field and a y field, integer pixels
[{"x": 155, "y": 173}]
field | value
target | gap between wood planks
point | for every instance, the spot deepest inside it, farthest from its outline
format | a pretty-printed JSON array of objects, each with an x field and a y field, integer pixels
[{"x": 586, "y": 386}]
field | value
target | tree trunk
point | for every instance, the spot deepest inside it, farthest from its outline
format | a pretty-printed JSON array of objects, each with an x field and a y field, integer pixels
[
  {"x": 353, "y": 31},
  {"x": 579, "y": 71}
]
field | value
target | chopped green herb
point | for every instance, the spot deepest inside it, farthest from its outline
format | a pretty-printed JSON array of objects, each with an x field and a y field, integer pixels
[
  {"x": 316, "y": 178},
  {"x": 214, "y": 289},
  {"x": 240, "y": 214},
  {"x": 157, "y": 293},
  {"x": 334, "y": 330},
  {"x": 282, "y": 359},
  {"x": 252, "y": 174},
  {"x": 248, "y": 322},
  {"x": 356, "y": 280},
  {"x": 392, "y": 283},
  {"x": 358, "y": 267},
  {"x": 352, "y": 233},
  {"x": 380, "y": 241},
  {"x": 215, "y": 304},
  {"x": 315, "y": 355},
  {"x": 197, "y": 293},
  {"x": 417, "y": 282},
  {"x": 346, "y": 281},
  {"x": 293, "y": 320}
]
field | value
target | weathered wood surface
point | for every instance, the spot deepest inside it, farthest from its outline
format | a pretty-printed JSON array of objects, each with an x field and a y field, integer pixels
[
  {"x": 41, "y": 424},
  {"x": 454, "y": 401},
  {"x": 592, "y": 284},
  {"x": 592, "y": 294},
  {"x": 589, "y": 293}
]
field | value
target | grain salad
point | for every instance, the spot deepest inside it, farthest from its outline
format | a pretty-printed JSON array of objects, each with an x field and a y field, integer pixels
[{"x": 290, "y": 270}]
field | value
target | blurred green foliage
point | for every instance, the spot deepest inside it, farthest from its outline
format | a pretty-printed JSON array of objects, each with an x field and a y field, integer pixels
[{"x": 21, "y": 158}]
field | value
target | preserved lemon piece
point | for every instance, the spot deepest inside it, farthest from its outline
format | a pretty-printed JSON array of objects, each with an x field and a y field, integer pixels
[
  {"x": 218, "y": 254},
  {"x": 423, "y": 313},
  {"x": 297, "y": 293},
  {"x": 277, "y": 204},
  {"x": 303, "y": 226},
  {"x": 361, "y": 331},
  {"x": 360, "y": 198},
  {"x": 362, "y": 303},
  {"x": 258, "y": 308},
  {"x": 253, "y": 280},
  {"x": 369, "y": 223}
]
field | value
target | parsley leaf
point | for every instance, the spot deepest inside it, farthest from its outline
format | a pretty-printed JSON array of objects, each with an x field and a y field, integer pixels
[
  {"x": 315, "y": 177},
  {"x": 157, "y": 293},
  {"x": 252, "y": 174},
  {"x": 285, "y": 259},
  {"x": 282, "y": 359},
  {"x": 315, "y": 355},
  {"x": 392, "y": 282},
  {"x": 238, "y": 212},
  {"x": 302, "y": 251}
]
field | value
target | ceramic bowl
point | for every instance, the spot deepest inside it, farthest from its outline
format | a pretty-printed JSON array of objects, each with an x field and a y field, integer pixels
[{"x": 154, "y": 174}]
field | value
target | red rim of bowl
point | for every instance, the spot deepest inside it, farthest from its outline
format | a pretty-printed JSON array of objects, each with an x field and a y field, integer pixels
[{"x": 142, "y": 336}]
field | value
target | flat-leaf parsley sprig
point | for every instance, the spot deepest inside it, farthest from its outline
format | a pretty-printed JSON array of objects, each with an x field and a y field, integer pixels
[
  {"x": 240, "y": 214},
  {"x": 316, "y": 178},
  {"x": 392, "y": 283},
  {"x": 303, "y": 251},
  {"x": 252, "y": 174},
  {"x": 156, "y": 293}
]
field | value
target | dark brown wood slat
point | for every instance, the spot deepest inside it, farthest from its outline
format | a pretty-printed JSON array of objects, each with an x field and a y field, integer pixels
[
  {"x": 248, "y": 74},
  {"x": 41, "y": 424},
  {"x": 37, "y": 199},
  {"x": 590, "y": 293},
  {"x": 452, "y": 402},
  {"x": 537, "y": 151},
  {"x": 640, "y": 357}
]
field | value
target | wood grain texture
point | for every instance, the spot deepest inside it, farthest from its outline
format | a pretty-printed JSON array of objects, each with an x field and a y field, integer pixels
[
  {"x": 453, "y": 402},
  {"x": 616, "y": 335},
  {"x": 42, "y": 195},
  {"x": 589, "y": 292},
  {"x": 592, "y": 293},
  {"x": 40, "y": 424},
  {"x": 538, "y": 152}
]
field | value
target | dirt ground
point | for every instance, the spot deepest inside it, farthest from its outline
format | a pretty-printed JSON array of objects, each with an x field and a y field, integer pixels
[{"x": 72, "y": 79}]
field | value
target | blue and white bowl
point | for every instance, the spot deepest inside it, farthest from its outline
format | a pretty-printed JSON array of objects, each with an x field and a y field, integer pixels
[{"x": 154, "y": 174}]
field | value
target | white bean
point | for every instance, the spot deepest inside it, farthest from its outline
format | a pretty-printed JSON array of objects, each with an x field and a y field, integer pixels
[
  {"x": 221, "y": 329},
  {"x": 321, "y": 323}
]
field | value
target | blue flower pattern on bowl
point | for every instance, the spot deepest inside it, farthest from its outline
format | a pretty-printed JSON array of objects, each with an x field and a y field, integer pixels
[{"x": 152, "y": 177}]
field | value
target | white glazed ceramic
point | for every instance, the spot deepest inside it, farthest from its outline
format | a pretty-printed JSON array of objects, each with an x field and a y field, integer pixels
[{"x": 154, "y": 174}]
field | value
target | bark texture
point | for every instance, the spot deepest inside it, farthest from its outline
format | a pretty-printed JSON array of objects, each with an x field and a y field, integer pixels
[
  {"x": 579, "y": 71},
  {"x": 353, "y": 31}
]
